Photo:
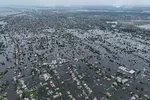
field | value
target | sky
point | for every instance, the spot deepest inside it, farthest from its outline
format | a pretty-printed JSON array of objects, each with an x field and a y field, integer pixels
[{"x": 73, "y": 2}]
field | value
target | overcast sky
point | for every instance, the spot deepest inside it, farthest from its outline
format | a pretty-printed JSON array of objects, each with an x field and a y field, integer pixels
[{"x": 74, "y": 2}]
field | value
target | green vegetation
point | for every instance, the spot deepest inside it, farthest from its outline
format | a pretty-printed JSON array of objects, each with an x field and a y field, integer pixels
[
  {"x": 108, "y": 98},
  {"x": 1, "y": 97},
  {"x": 3, "y": 73},
  {"x": 33, "y": 93},
  {"x": 5, "y": 94},
  {"x": 0, "y": 90},
  {"x": 3, "y": 84},
  {"x": 4, "y": 99},
  {"x": 2, "y": 63},
  {"x": 89, "y": 64},
  {"x": 43, "y": 98}
]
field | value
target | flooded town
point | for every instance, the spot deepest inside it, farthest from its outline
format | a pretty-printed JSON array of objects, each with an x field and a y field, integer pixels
[{"x": 74, "y": 53}]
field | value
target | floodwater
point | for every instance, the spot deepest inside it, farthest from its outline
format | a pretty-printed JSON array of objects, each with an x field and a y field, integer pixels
[{"x": 103, "y": 49}]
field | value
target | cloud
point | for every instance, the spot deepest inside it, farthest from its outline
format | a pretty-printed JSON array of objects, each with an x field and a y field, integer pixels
[
  {"x": 74, "y": 2},
  {"x": 132, "y": 2}
]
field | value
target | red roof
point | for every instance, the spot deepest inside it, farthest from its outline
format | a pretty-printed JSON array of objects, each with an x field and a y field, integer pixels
[
  {"x": 53, "y": 85},
  {"x": 48, "y": 99}
]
